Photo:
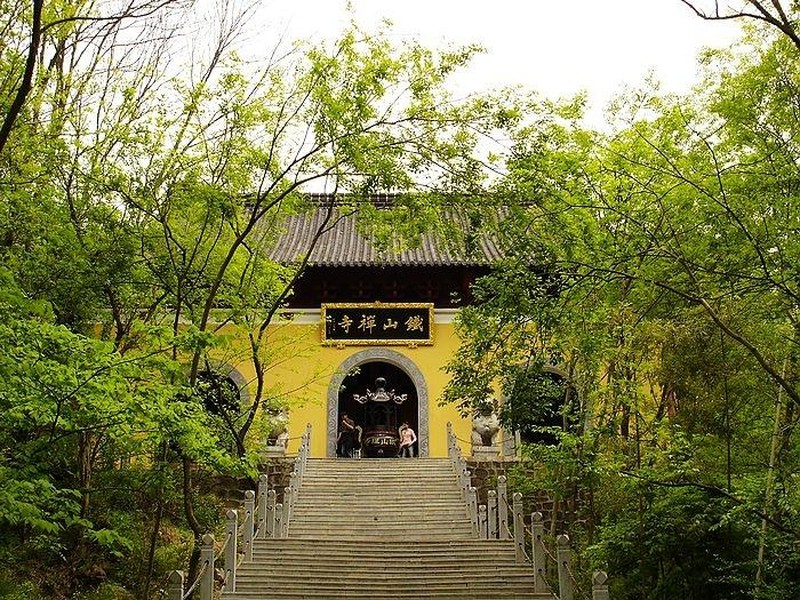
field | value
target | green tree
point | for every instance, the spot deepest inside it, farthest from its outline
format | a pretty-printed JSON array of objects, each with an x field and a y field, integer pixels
[
  {"x": 145, "y": 197},
  {"x": 657, "y": 265}
]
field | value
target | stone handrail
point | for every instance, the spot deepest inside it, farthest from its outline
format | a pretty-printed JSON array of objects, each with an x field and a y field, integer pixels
[
  {"x": 491, "y": 521},
  {"x": 263, "y": 518}
]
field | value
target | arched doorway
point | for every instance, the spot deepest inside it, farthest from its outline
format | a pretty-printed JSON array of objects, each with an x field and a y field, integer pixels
[
  {"x": 359, "y": 372},
  {"x": 379, "y": 414},
  {"x": 540, "y": 402}
]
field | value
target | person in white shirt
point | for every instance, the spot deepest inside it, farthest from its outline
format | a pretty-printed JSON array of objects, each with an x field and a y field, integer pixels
[{"x": 407, "y": 439}]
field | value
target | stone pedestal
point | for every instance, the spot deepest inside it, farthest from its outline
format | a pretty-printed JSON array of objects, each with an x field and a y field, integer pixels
[
  {"x": 486, "y": 453},
  {"x": 273, "y": 452}
]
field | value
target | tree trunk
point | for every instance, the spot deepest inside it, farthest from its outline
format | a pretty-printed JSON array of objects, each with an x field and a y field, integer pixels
[
  {"x": 27, "y": 76},
  {"x": 85, "y": 470},
  {"x": 191, "y": 518},
  {"x": 151, "y": 552}
]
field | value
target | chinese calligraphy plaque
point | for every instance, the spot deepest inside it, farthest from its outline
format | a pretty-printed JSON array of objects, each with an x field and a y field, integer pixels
[{"x": 377, "y": 324}]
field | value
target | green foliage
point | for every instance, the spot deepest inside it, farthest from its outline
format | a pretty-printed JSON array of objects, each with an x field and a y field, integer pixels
[
  {"x": 18, "y": 590},
  {"x": 679, "y": 546},
  {"x": 107, "y": 592},
  {"x": 656, "y": 266},
  {"x": 140, "y": 198}
]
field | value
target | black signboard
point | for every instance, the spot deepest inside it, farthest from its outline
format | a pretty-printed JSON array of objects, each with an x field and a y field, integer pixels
[{"x": 377, "y": 323}]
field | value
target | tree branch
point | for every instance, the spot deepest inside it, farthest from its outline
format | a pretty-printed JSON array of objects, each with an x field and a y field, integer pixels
[
  {"x": 718, "y": 492},
  {"x": 27, "y": 78}
]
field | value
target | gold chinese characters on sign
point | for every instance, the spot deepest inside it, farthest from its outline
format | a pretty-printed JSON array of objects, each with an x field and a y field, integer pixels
[{"x": 377, "y": 324}]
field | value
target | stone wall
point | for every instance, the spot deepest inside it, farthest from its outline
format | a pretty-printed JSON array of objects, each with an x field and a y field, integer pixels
[
  {"x": 484, "y": 478},
  {"x": 231, "y": 489}
]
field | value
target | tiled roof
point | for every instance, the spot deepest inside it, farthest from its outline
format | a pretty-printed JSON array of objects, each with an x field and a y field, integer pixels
[{"x": 344, "y": 245}]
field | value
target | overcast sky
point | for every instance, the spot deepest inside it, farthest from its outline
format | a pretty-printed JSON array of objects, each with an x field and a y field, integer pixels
[{"x": 557, "y": 47}]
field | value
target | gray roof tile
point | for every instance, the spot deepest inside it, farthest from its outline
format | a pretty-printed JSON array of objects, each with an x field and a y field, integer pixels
[{"x": 344, "y": 245}]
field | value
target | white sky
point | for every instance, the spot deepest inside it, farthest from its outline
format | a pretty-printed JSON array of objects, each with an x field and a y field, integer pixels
[{"x": 556, "y": 47}]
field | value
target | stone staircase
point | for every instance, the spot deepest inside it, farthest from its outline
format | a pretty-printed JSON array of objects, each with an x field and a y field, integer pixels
[{"x": 382, "y": 528}]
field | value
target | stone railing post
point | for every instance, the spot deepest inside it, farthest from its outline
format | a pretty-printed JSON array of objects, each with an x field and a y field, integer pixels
[
  {"x": 297, "y": 468},
  {"x": 483, "y": 523},
  {"x": 175, "y": 586},
  {"x": 287, "y": 507},
  {"x": 451, "y": 451},
  {"x": 502, "y": 507},
  {"x": 270, "y": 532},
  {"x": 303, "y": 456},
  {"x": 294, "y": 485},
  {"x": 263, "y": 502},
  {"x": 207, "y": 564},
  {"x": 231, "y": 550},
  {"x": 564, "y": 579},
  {"x": 278, "y": 520},
  {"x": 538, "y": 553},
  {"x": 249, "y": 524},
  {"x": 491, "y": 516},
  {"x": 519, "y": 529},
  {"x": 600, "y": 586},
  {"x": 473, "y": 510}
]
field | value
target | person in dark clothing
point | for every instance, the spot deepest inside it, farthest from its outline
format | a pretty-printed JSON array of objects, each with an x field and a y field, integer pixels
[{"x": 345, "y": 442}]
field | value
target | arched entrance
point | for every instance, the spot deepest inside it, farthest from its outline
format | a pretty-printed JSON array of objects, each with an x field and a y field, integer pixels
[
  {"x": 541, "y": 400},
  {"x": 359, "y": 372}
]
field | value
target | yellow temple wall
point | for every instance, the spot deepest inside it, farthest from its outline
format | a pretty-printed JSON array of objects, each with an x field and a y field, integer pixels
[{"x": 303, "y": 367}]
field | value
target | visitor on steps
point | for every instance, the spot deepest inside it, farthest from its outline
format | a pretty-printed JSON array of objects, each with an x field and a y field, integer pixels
[
  {"x": 407, "y": 439},
  {"x": 344, "y": 442}
]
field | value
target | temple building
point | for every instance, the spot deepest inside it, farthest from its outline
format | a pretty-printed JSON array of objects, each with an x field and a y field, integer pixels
[{"x": 367, "y": 334}]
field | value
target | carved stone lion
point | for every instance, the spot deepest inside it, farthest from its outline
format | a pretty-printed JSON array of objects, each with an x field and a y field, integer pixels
[{"x": 485, "y": 429}]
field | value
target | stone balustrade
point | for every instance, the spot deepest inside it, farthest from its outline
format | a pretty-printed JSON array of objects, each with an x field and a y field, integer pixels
[
  {"x": 491, "y": 521},
  {"x": 261, "y": 516}
]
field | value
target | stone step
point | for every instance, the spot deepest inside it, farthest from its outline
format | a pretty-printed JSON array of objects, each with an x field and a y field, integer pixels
[
  {"x": 321, "y": 499},
  {"x": 355, "y": 517},
  {"x": 495, "y": 590},
  {"x": 385, "y": 499},
  {"x": 378, "y": 466},
  {"x": 375, "y": 474},
  {"x": 399, "y": 473},
  {"x": 418, "y": 481},
  {"x": 294, "y": 579},
  {"x": 410, "y": 572},
  {"x": 369, "y": 491},
  {"x": 355, "y": 505},
  {"x": 370, "y": 569},
  {"x": 432, "y": 533},
  {"x": 368, "y": 528},
  {"x": 398, "y": 470},
  {"x": 378, "y": 523},
  {"x": 475, "y": 546},
  {"x": 362, "y": 514},
  {"x": 309, "y": 593},
  {"x": 354, "y": 501},
  {"x": 298, "y": 579},
  {"x": 399, "y": 513},
  {"x": 385, "y": 563},
  {"x": 375, "y": 484},
  {"x": 372, "y": 550},
  {"x": 388, "y": 496},
  {"x": 378, "y": 461},
  {"x": 410, "y": 478},
  {"x": 381, "y": 585},
  {"x": 399, "y": 517},
  {"x": 375, "y": 491}
]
